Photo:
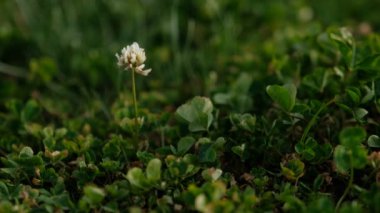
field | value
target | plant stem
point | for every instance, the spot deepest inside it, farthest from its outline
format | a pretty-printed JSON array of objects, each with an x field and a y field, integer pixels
[
  {"x": 12, "y": 70},
  {"x": 351, "y": 181},
  {"x": 134, "y": 100},
  {"x": 313, "y": 119}
]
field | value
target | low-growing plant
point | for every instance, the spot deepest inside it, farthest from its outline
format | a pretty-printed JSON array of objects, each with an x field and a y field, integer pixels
[{"x": 276, "y": 113}]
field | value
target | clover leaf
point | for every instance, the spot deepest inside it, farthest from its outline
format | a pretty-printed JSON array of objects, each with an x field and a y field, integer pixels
[
  {"x": 285, "y": 95},
  {"x": 197, "y": 113}
]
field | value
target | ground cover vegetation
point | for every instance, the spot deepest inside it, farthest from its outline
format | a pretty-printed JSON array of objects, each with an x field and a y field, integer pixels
[{"x": 249, "y": 106}]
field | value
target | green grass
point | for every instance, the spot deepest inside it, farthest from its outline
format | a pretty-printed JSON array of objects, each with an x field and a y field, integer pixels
[{"x": 287, "y": 118}]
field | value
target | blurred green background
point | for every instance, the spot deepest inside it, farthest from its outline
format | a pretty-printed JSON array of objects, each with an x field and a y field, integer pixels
[{"x": 63, "y": 52}]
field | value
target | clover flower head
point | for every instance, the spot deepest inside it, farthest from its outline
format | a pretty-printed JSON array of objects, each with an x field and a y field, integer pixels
[{"x": 133, "y": 57}]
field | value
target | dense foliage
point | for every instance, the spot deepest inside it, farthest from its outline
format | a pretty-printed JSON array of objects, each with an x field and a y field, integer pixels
[{"x": 251, "y": 106}]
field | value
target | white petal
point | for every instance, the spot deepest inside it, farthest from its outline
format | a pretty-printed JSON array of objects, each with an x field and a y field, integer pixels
[
  {"x": 133, "y": 58},
  {"x": 141, "y": 66},
  {"x": 143, "y": 72},
  {"x": 146, "y": 72},
  {"x": 135, "y": 46},
  {"x": 141, "y": 57}
]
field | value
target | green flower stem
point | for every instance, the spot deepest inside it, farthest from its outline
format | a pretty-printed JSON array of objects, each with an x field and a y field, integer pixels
[
  {"x": 314, "y": 118},
  {"x": 134, "y": 100},
  {"x": 349, "y": 186}
]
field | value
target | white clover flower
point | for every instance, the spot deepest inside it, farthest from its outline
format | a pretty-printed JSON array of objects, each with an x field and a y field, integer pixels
[{"x": 133, "y": 57}]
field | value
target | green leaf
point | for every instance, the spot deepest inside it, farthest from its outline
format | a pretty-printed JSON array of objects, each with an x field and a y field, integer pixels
[
  {"x": 136, "y": 177},
  {"x": 352, "y": 207},
  {"x": 153, "y": 174},
  {"x": 184, "y": 145},
  {"x": 211, "y": 174},
  {"x": 311, "y": 143},
  {"x": 9, "y": 171},
  {"x": 50, "y": 176},
  {"x": 237, "y": 97},
  {"x": 153, "y": 170},
  {"x": 285, "y": 96},
  {"x": 343, "y": 37},
  {"x": 26, "y": 152},
  {"x": 222, "y": 98},
  {"x": 14, "y": 106},
  {"x": 323, "y": 204},
  {"x": 48, "y": 132},
  {"x": 4, "y": 192},
  {"x": 110, "y": 165},
  {"x": 71, "y": 146},
  {"x": 111, "y": 149},
  {"x": 359, "y": 157},
  {"x": 145, "y": 156},
  {"x": 197, "y": 113},
  {"x": 30, "y": 112},
  {"x": 318, "y": 182},
  {"x": 94, "y": 194},
  {"x": 293, "y": 169},
  {"x": 60, "y": 133},
  {"x": 317, "y": 80},
  {"x": 324, "y": 151},
  {"x": 293, "y": 204},
  {"x": 311, "y": 150},
  {"x": 368, "y": 69},
  {"x": 354, "y": 95},
  {"x": 242, "y": 84},
  {"x": 207, "y": 153},
  {"x": 351, "y": 149},
  {"x": 182, "y": 166},
  {"x": 373, "y": 141},
  {"x": 308, "y": 154},
  {"x": 341, "y": 158},
  {"x": 31, "y": 161},
  {"x": 244, "y": 121},
  {"x": 49, "y": 143},
  {"x": 359, "y": 113},
  {"x": 6, "y": 206},
  {"x": 43, "y": 68},
  {"x": 218, "y": 144},
  {"x": 239, "y": 150},
  {"x": 369, "y": 94},
  {"x": 352, "y": 136}
]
